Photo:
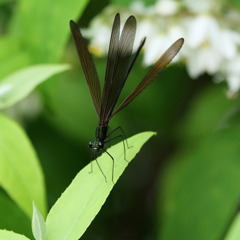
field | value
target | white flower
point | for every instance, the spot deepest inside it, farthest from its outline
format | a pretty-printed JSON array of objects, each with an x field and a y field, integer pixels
[
  {"x": 145, "y": 28},
  {"x": 157, "y": 44},
  {"x": 202, "y": 54},
  {"x": 207, "y": 60},
  {"x": 212, "y": 36},
  {"x": 154, "y": 48},
  {"x": 229, "y": 43},
  {"x": 202, "y": 6},
  {"x": 202, "y": 29},
  {"x": 139, "y": 8},
  {"x": 232, "y": 70},
  {"x": 99, "y": 33},
  {"x": 166, "y": 7},
  {"x": 209, "y": 46}
]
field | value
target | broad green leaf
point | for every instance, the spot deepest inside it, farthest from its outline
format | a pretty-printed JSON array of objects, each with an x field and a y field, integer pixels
[
  {"x": 201, "y": 190},
  {"x": 13, "y": 63},
  {"x": 9, "y": 46},
  {"x": 234, "y": 232},
  {"x": 4, "y": 1},
  {"x": 18, "y": 85},
  {"x": 235, "y": 4},
  {"x": 20, "y": 173},
  {"x": 38, "y": 224},
  {"x": 207, "y": 113},
  {"x": 71, "y": 103},
  {"x": 79, "y": 204},
  {"x": 45, "y": 31},
  {"x": 8, "y": 235},
  {"x": 12, "y": 57},
  {"x": 12, "y": 217}
]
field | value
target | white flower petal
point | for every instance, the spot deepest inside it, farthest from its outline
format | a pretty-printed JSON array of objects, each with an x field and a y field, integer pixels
[
  {"x": 233, "y": 83},
  {"x": 166, "y": 7},
  {"x": 202, "y": 6},
  {"x": 145, "y": 28},
  {"x": 204, "y": 61},
  {"x": 155, "y": 48},
  {"x": 202, "y": 29},
  {"x": 228, "y": 44}
]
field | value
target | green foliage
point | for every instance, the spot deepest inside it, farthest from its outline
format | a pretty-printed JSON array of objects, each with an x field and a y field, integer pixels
[
  {"x": 15, "y": 87},
  {"x": 33, "y": 36},
  {"x": 12, "y": 57},
  {"x": 45, "y": 30},
  {"x": 20, "y": 173},
  {"x": 12, "y": 217},
  {"x": 3, "y": 1},
  {"x": 234, "y": 232},
  {"x": 205, "y": 181},
  {"x": 82, "y": 200},
  {"x": 235, "y": 3},
  {"x": 38, "y": 224},
  {"x": 201, "y": 188},
  {"x": 204, "y": 117},
  {"x": 8, "y": 235},
  {"x": 198, "y": 137}
]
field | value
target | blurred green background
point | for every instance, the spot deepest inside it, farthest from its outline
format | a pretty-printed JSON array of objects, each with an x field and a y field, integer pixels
[{"x": 184, "y": 184}]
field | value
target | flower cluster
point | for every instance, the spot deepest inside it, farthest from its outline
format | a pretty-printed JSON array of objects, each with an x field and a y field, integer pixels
[{"x": 211, "y": 30}]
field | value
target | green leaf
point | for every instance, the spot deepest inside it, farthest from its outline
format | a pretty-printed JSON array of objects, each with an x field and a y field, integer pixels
[
  {"x": 201, "y": 188},
  {"x": 79, "y": 204},
  {"x": 20, "y": 173},
  {"x": 3, "y": 1},
  {"x": 6, "y": 51},
  {"x": 38, "y": 224},
  {"x": 234, "y": 4},
  {"x": 8, "y": 235},
  {"x": 204, "y": 117},
  {"x": 45, "y": 31},
  {"x": 12, "y": 56},
  {"x": 234, "y": 232},
  {"x": 12, "y": 217},
  {"x": 67, "y": 104},
  {"x": 18, "y": 85},
  {"x": 13, "y": 63}
]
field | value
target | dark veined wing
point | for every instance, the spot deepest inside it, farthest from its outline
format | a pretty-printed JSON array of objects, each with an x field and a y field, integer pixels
[
  {"x": 161, "y": 63},
  {"x": 135, "y": 57},
  {"x": 88, "y": 66},
  {"x": 111, "y": 64},
  {"x": 119, "y": 60}
]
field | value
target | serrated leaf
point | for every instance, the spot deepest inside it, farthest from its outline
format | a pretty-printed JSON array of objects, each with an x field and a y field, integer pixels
[
  {"x": 38, "y": 224},
  {"x": 9, "y": 235},
  {"x": 18, "y": 85},
  {"x": 79, "y": 204},
  {"x": 20, "y": 173}
]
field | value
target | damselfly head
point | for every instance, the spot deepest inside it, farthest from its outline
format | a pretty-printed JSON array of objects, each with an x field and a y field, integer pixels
[{"x": 96, "y": 145}]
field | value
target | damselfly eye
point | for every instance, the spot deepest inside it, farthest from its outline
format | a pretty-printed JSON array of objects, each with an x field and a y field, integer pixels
[
  {"x": 90, "y": 144},
  {"x": 100, "y": 144}
]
